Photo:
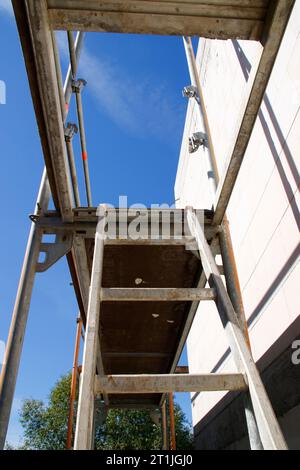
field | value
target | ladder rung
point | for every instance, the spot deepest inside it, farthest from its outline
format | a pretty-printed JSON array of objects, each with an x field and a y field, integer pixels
[
  {"x": 116, "y": 294},
  {"x": 169, "y": 382},
  {"x": 159, "y": 241}
]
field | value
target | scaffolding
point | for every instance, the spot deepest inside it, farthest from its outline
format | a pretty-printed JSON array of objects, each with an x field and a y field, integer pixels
[{"x": 119, "y": 377}]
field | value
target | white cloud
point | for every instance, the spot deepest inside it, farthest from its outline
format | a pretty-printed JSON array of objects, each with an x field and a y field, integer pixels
[
  {"x": 6, "y": 7},
  {"x": 139, "y": 106}
]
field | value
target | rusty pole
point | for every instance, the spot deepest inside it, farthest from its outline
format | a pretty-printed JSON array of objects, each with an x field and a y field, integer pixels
[
  {"x": 164, "y": 426},
  {"x": 172, "y": 421},
  {"x": 73, "y": 384}
]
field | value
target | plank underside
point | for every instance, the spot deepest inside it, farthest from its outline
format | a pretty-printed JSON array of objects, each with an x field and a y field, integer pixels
[
  {"x": 143, "y": 337},
  {"x": 241, "y": 19}
]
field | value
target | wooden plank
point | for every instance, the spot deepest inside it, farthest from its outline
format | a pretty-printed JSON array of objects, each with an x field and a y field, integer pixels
[
  {"x": 170, "y": 7},
  {"x": 182, "y": 370},
  {"x": 138, "y": 327},
  {"x": 270, "y": 432},
  {"x": 155, "y": 241},
  {"x": 136, "y": 355},
  {"x": 141, "y": 294},
  {"x": 188, "y": 324},
  {"x": 124, "y": 384},
  {"x": 152, "y": 23},
  {"x": 274, "y": 33},
  {"x": 94, "y": 4}
]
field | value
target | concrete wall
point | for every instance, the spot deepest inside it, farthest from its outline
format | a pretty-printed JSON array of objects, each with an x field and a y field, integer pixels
[{"x": 264, "y": 208}]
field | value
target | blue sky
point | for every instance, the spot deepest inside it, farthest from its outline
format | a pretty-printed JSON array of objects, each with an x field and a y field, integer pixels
[{"x": 134, "y": 123}]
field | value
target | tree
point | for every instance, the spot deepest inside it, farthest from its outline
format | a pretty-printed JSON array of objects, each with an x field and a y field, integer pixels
[{"x": 45, "y": 426}]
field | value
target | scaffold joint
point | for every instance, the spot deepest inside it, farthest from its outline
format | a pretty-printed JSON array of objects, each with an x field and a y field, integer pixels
[
  {"x": 197, "y": 140},
  {"x": 78, "y": 85},
  {"x": 70, "y": 130}
]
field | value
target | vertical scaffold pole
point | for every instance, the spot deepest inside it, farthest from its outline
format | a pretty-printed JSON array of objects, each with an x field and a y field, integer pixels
[
  {"x": 15, "y": 340},
  {"x": 78, "y": 90},
  {"x": 17, "y": 329},
  {"x": 172, "y": 421},
  {"x": 74, "y": 383},
  {"x": 164, "y": 426}
]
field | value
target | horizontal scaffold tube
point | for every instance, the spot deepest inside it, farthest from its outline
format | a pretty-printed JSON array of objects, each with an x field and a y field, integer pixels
[{"x": 116, "y": 294}]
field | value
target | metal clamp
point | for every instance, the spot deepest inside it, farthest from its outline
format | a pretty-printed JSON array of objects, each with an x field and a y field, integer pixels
[
  {"x": 70, "y": 130},
  {"x": 34, "y": 218},
  {"x": 78, "y": 85},
  {"x": 190, "y": 91},
  {"x": 197, "y": 140}
]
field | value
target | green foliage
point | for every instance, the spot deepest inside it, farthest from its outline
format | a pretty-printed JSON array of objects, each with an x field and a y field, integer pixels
[
  {"x": 8, "y": 446},
  {"x": 128, "y": 430},
  {"x": 45, "y": 426},
  {"x": 184, "y": 437}
]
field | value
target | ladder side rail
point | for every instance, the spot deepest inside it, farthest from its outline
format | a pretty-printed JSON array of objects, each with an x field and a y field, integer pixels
[
  {"x": 269, "y": 430},
  {"x": 85, "y": 414}
]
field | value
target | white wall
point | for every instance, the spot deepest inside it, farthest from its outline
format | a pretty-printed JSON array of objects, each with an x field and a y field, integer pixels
[{"x": 264, "y": 208}]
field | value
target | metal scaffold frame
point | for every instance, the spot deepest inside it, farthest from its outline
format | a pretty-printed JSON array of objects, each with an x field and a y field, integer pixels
[{"x": 264, "y": 21}]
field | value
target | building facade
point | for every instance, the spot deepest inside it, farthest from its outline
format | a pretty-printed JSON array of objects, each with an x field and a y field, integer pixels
[{"x": 264, "y": 222}]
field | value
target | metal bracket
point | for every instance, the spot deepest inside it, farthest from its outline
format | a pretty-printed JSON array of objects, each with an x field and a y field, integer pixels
[
  {"x": 70, "y": 130},
  {"x": 197, "y": 140},
  {"x": 78, "y": 85},
  {"x": 54, "y": 251},
  {"x": 190, "y": 91}
]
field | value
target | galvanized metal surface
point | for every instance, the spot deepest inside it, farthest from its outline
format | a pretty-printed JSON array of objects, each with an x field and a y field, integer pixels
[
  {"x": 211, "y": 165},
  {"x": 16, "y": 334},
  {"x": 71, "y": 160},
  {"x": 73, "y": 70},
  {"x": 79, "y": 108},
  {"x": 54, "y": 251}
]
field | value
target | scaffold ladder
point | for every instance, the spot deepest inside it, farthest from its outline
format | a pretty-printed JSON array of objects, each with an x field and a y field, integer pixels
[
  {"x": 37, "y": 22},
  {"x": 247, "y": 379}
]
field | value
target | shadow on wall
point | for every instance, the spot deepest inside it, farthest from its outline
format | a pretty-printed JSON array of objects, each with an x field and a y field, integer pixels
[
  {"x": 294, "y": 257},
  {"x": 246, "y": 69}
]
